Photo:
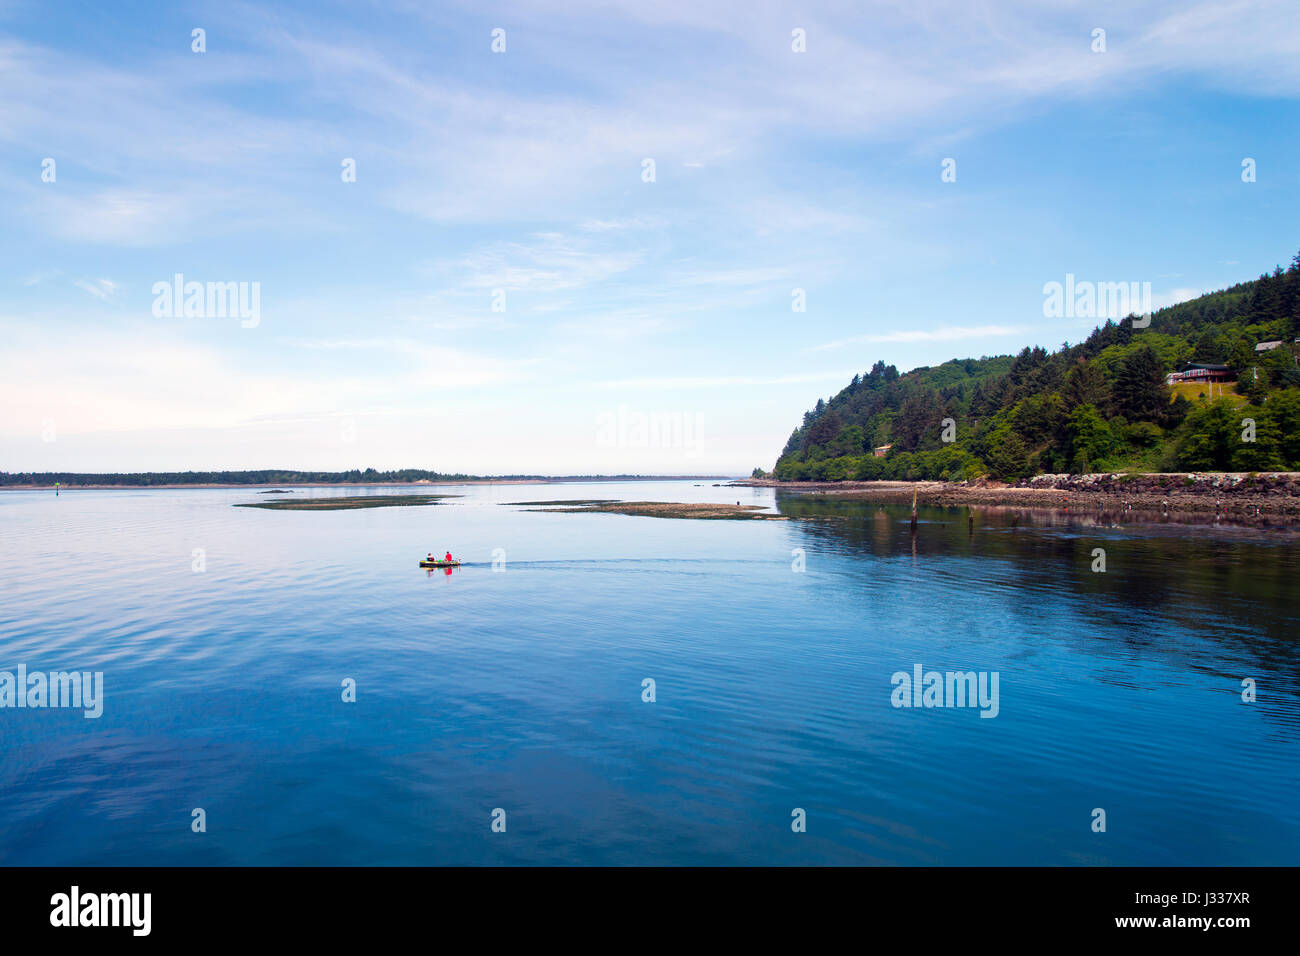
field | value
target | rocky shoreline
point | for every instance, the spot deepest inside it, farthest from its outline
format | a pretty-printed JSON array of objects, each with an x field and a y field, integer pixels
[{"x": 1201, "y": 494}]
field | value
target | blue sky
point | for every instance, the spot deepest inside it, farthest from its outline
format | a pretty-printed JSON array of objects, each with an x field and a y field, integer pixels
[{"x": 521, "y": 171}]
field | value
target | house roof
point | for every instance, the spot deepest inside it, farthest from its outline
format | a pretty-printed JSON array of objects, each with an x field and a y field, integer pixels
[{"x": 1205, "y": 366}]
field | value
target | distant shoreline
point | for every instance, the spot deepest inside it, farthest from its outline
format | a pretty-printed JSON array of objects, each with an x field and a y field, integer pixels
[{"x": 423, "y": 483}]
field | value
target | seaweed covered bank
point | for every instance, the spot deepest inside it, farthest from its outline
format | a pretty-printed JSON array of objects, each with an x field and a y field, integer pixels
[
  {"x": 656, "y": 509},
  {"x": 347, "y": 503},
  {"x": 1228, "y": 493}
]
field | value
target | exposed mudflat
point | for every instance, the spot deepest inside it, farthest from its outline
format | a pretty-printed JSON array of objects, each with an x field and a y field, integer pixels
[
  {"x": 565, "y": 501},
  {"x": 662, "y": 509},
  {"x": 347, "y": 503}
]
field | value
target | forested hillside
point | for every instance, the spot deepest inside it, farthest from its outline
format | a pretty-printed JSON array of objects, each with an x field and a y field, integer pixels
[{"x": 1101, "y": 405}]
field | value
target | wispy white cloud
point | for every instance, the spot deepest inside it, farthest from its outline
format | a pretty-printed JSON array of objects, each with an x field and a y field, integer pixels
[
  {"x": 101, "y": 289},
  {"x": 723, "y": 381},
  {"x": 113, "y": 215},
  {"x": 424, "y": 365},
  {"x": 548, "y": 262},
  {"x": 1162, "y": 300},
  {"x": 104, "y": 381},
  {"x": 947, "y": 333},
  {"x": 730, "y": 277}
]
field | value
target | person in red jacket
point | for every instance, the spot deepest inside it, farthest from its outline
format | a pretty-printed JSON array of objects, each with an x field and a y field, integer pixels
[{"x": 449, "y": 559}]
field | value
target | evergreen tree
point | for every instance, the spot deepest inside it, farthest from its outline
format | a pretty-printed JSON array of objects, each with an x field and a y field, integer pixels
[
  {"x": 1086, "y": 385},
  {"x": 1212, "y": 437},
  {"x": 1008, "y": 455},
  {"x": 1284, "y": 408},
  {"x": 1209, "y": 347},
  {"x": 918, "y": 421},
  {"x": 1140, "y": 392}
]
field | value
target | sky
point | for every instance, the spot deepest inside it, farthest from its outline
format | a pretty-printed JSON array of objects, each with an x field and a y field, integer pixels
[{"x": 579, "y": 252}]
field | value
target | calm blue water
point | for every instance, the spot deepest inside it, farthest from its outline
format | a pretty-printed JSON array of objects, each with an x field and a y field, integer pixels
[{"x": 522, "y": 689}]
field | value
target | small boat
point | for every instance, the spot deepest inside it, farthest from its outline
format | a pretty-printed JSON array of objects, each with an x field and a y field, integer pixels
[{"x": 439, "y": 564}]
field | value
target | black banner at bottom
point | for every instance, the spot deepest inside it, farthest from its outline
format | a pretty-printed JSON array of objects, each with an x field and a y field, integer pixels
[{"x": 334, "y": 905}]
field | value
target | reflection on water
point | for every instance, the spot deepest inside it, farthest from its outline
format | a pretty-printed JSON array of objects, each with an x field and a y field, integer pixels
[
  {"x": 516, "y": 681},
  {"x": 1234, "y": 584},
  {"x": 1101, "y": 514}
]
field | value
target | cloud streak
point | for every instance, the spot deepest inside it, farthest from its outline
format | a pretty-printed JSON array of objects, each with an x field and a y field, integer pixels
[{"x": 949, "y": 333}]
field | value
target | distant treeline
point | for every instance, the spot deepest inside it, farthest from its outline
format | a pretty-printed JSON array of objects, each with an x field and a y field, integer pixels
[
  {"x": 276, "y": 476},
  {"x": 1100, "y": 405}
]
